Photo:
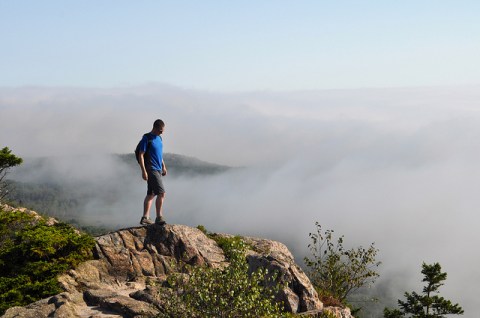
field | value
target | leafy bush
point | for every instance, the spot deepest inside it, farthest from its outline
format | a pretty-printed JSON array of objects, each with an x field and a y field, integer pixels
[
  {"x": 336, "y": 272},
  {"x": 224, "y": 292},
  {"x": 32, "y": 254}
]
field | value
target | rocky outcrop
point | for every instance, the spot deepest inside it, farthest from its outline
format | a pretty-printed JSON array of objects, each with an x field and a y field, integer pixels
[
  {"x": 36, "y": 217},
  {"x": 300, "y": 295},
  {"x": 131, "y": 263}
]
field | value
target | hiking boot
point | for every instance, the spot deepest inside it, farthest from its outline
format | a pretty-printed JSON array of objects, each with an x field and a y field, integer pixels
[
  {"x": 145, "y": 221},
  {"x": 159, "y": 220}
]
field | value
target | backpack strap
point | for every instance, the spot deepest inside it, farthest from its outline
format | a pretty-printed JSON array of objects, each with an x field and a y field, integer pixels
[{"x": 149, "y": 140}]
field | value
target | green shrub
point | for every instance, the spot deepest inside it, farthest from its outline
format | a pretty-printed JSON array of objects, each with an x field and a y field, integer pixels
[
  {"x": 224, "y": 292},
  {"x": 337, "y": 272},
  {"x": 203, "y": 229},
  {"x": 33, "y": 254}
]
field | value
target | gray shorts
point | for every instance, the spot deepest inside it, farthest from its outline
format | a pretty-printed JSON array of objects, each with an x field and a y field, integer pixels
[{"x": 154, "y": 183}]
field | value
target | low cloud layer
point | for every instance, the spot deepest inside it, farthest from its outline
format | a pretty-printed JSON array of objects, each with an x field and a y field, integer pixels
[{"x": 397, "y": 167}]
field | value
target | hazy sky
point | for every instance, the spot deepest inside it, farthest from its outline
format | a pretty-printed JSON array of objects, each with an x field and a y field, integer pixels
[{"x": 240, "y": 45}]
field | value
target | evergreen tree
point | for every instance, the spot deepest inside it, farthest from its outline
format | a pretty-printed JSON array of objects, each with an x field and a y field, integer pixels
[
  {"x": 428, "y": 304},
  {"x": 7, "y": 160}
]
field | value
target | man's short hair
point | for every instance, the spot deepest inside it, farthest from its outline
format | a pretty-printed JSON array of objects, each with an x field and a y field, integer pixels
[{"x": 158, "y": 124}]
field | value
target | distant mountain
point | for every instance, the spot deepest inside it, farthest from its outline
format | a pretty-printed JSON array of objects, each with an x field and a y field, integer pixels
[
  {"x": 182, "y": 165},
  {"x": 63, "y": 186}
]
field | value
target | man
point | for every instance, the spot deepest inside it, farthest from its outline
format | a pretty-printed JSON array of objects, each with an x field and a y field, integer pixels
[{"x": 153, "y": 168}]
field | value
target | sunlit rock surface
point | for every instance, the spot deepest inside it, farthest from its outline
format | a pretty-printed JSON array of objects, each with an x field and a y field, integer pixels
[{"x": 130, "y": 263}]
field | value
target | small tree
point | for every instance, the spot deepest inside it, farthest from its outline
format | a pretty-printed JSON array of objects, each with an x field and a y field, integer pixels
[
  {"x": 336, "y": 272},
  {"x": 427, "y": 304},
  {"x": 7, "y": 160}
]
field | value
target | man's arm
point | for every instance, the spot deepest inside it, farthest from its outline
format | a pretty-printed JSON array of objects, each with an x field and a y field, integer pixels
[
  {"x": 142, "y": 165},
  {"x": 164, "y": 168}
]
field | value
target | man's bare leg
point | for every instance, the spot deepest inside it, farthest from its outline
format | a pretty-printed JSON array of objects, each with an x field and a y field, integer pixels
[
  {"x": 147, "y": 204},
  {"x": 159, "y": 204}
]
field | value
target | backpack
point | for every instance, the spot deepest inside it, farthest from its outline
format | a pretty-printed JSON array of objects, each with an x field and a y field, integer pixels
[{"x": 137, "y": 150}]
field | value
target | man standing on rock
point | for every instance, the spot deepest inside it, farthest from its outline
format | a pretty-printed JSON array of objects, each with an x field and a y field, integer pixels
[{"x": 153, "y": 169}]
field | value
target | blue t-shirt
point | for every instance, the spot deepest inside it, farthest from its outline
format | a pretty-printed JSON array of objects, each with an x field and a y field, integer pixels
[{"x": 154, "y": 153}]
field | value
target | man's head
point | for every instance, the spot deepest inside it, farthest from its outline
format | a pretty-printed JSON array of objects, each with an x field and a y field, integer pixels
[{"x": 158, "y": 126}]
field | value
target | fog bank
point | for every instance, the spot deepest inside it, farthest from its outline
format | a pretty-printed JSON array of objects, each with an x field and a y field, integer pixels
[{"x": 398, "y": 167}]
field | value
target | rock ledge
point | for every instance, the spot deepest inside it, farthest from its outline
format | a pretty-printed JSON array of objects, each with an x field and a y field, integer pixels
[{"x": 118, "y": 282}]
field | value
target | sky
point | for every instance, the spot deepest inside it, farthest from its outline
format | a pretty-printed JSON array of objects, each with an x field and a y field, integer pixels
[
  {"x": 240, "y": 45},
  {"x": 362, "y": 115}
]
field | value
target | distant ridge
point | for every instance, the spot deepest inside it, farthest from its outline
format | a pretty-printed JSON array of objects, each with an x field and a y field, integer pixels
[
  {"x": 61, "y": 186},
  {"x": 181, "y": 164}
]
